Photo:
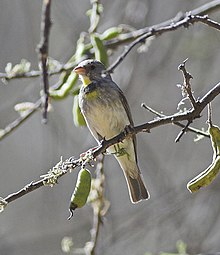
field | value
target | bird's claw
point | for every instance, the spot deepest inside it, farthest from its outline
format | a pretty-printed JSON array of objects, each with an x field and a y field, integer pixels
[{"x": 129, "y": 130}]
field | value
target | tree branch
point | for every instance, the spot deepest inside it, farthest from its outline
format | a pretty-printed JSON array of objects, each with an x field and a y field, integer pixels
[
  {"x": 191, "y": 129},
  {"x": 128, "y": 37},
  {"x": 43, "y": 54},
  {"x": 156, "y": 31},
  {"x": 49, "y": 179}
]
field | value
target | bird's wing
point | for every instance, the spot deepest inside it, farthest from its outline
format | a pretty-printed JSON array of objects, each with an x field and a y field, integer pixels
[{"x": 128, "y": 111}]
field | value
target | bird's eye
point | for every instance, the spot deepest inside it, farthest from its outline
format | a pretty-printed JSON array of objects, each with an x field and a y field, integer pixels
[{"x": 92, "y": 67}]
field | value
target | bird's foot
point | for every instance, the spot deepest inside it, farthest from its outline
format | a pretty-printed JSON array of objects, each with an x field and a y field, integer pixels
[
  {"x": 119, "y": 152},
  {"x": 129, "y": 130}
]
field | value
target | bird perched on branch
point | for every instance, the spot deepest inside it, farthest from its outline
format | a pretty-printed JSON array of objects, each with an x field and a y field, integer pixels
[{"x": 107, "y": 113}]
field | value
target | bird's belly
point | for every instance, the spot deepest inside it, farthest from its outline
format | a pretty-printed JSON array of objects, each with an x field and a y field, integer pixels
[
  {"x": 107, "y": 120},
  {"x": 109, "y": 123}
]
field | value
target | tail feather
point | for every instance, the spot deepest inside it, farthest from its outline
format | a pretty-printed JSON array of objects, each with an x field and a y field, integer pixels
[
  {"x": 136, "y": 188},
  {"x": 132, "y": 173}
]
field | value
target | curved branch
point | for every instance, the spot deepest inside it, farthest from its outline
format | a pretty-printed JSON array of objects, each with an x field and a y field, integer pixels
[
  {"x": 128, "y": 37},
  {"x": 156, "y": 31}
]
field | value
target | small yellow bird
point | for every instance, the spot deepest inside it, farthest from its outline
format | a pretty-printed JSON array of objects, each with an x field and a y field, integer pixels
[{"x": 107, "y": 113}]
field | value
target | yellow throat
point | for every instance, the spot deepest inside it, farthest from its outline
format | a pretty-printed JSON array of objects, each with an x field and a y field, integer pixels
[{"x": 85, "y": 80}]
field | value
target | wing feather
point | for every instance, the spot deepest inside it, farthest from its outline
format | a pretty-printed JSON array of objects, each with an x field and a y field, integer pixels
[{"x": 128, "y": 111}]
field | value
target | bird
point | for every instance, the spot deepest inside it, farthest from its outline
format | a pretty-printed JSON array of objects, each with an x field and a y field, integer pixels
[{"x": 107, "y": 113}]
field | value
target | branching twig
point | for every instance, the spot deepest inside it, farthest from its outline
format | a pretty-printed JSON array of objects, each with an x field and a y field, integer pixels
[
  {"x": 189, "y": 19},
  {"x": 186, "y": 87},
  {"x": 128, "y": 37},
  {"x": 191, "y": 129},
  {"x": 43, "y": 53}
]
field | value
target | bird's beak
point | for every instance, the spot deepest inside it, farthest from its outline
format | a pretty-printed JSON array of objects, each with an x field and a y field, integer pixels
[{"x": 80, "y": 70}]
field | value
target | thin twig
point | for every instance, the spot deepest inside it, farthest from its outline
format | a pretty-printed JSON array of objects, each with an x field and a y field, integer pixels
[
  {"x": 189, "y": 19},
  {"x": 16, "y": 123},
  {"x": 37, "y": 73},
  {"x": 43, "y": 54},
  {"x": 209, "y": 121},
  {"x": 183, "y": 131},
  {"x": 206, "y": 20},
  {"x": 158, "y": 114},
  {"x": 191, "y": 129},
  {"x": 186, "y": 87}
]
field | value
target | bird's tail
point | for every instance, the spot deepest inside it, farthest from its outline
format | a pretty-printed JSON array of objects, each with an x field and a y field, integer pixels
[
  {"x": 136, "y": 187},
  {"x": 132, "y": 173}
]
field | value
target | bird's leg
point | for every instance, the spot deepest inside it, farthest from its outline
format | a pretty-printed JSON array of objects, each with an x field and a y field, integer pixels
[{"x": 120, "y": 151}]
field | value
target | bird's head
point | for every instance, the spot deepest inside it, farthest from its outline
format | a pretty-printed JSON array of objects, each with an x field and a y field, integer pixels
[{"x": 90, "y": 70}]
